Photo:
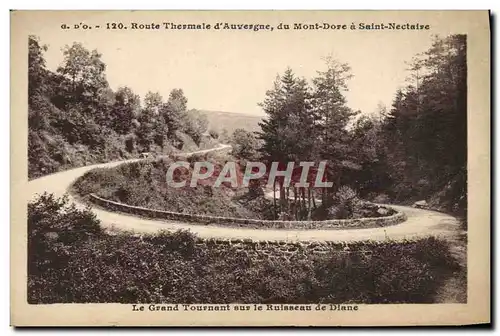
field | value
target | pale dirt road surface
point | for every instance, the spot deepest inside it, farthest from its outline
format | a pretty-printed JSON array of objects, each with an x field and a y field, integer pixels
[{"x": 420, "y": 223}]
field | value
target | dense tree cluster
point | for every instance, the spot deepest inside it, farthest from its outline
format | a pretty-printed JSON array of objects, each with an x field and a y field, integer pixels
[
  {"x": 75, "y": 118},
  {"x": 245, "y": 144},
  {"x": 307, "y": 123},
  {"x": 419, "y": 146},
  {"x": 415, "y": 150}
]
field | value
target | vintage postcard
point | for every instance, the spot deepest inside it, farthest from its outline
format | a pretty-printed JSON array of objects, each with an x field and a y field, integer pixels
[{"x": 250, "y": 168}]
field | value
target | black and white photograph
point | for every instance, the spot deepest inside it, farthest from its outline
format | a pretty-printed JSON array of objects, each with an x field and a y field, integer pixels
[{"x": 271, "y": 162}]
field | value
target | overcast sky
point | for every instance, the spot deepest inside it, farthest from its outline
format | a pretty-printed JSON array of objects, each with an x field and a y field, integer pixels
[{"x": 231, "y": 71}]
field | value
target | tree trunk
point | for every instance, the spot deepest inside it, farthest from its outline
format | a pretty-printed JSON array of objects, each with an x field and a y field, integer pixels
[
  {"x": 308, "y": 203},
  {"x": 295, "y": 205},
  {"x": 287, "y": 199},
  {"x": 309, "y": 198},
  {"x": 303, "y": 198},
  {"x": 282, "y": 197},
  {"x": 274, "y": 198}
]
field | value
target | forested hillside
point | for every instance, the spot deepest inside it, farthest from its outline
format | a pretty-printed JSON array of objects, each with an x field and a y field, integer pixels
[
  {"x": 75, "y": 118},
  {"x": 228, "y": 122},
  {"x": 419, "y": 146},
  {"x": 414, "y": 150}
]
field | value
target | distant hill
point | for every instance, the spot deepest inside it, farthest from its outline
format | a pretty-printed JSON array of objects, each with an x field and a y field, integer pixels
[{"x": 230, "y": 121}]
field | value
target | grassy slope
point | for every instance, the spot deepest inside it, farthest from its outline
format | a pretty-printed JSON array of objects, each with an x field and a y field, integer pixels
[{"x": 144, "y": 184}]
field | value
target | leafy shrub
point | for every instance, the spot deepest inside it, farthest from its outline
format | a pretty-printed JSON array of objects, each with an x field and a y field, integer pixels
[
  {"x": 181, "y": 241},
  {"x": 55, "y": 229},
  {"x": 197, "y": 158},
  {"x": 57, "y": 216},
  {"x": 344, "y": 203},
  {"x": 347, "y": 204},
  {"x": 346, "y": 194},
  {"x": 213, "y": 133},
  {"x": 245, "y": 145}
]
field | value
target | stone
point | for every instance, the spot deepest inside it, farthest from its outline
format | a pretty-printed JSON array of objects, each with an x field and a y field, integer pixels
[{"x": 420, "y": 204}]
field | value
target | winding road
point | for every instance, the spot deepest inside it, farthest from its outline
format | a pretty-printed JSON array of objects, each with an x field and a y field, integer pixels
[{"x": 420, "y": 223}]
